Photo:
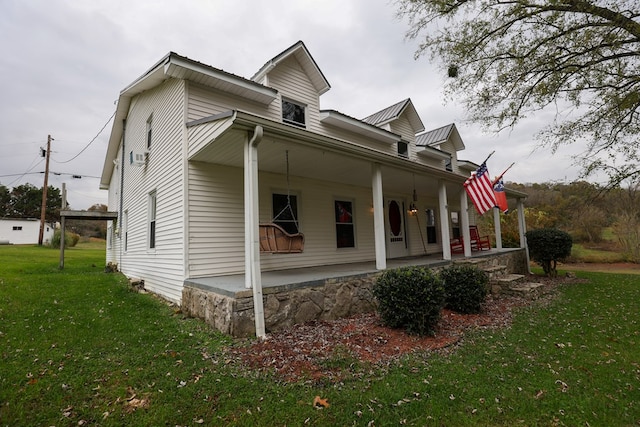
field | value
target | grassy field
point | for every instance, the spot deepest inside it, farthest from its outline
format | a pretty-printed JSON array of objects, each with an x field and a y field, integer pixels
[{"x": 77, "y": 347}]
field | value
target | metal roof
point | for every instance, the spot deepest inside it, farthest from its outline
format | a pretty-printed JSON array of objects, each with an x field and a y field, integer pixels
[
  {"x": 393, "y": 112},
  {"x": 435, "y": 136}
]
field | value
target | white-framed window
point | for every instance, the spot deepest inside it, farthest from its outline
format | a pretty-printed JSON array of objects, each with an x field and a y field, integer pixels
[
  {"x": 17, "y": 228},
  {"x": 149, "y": 132},
  {"x": 109, "y": 237},
  {"x": 152, "y": 219},
  {"x": 285, "y": 211},
  {"x": 455, "y": 225},
  {"x": 448, "y": 164},
  {"x": 403, "y": 149},
  {"x": 345, "y": 226},
  {"x": 293, "y": 113},
  {"x": 125, "y": 225}
]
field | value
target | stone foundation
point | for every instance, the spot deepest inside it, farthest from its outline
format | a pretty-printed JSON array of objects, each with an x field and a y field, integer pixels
[
  {"x": 283, "y": 306},
  {"x": 287, "y": 305}
]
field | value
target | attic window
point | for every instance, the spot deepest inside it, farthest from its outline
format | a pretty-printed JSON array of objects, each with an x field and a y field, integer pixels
[
  {"x": 403, "y": 149},
  {"x": 448, "y": 165},
  {"x": 293, "y": 113}
]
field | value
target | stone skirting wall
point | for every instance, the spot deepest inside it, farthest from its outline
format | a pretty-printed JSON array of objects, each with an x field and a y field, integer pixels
[{"x": 285, "y": 306}]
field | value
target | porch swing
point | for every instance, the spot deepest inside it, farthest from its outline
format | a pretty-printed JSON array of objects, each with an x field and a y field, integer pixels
[{"x": 275, "y": 239}]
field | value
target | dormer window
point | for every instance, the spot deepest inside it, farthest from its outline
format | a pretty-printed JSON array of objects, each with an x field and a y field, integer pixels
[
  {"x": 293, "y": 113},
  {"x": 403, "y": 149},
  {"x": 448, "y": 165}
]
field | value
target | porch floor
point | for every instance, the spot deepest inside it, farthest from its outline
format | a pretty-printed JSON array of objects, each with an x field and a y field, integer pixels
[{"x": 234, "y": 286}]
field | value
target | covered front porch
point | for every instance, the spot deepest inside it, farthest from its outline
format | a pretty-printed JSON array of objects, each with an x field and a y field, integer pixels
[
  {"x": 391, "y": 198},
  {"x": 326, "y": 292}
]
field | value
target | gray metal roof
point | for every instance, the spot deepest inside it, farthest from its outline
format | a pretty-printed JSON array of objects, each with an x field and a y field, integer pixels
[
  {"x": 387, "y": 114},
  {"x": 435, "y": 136},
  {"x": 395, "y": 111}
]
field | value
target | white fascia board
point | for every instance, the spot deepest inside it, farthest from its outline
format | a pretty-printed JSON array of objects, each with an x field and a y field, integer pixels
[
  {"x": 336, "y": 119},
  {"x": 213, "y": 77},
  {"x": 434, "y": 153}
]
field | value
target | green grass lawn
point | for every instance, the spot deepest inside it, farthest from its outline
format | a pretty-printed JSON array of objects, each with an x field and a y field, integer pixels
[{"x": 77, "y": 347}]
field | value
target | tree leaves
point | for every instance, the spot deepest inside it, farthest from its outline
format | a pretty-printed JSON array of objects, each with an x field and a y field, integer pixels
[{"x": 580, "y": 57}]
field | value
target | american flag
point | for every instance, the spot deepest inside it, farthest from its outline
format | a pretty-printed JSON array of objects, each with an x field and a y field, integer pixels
[{"x": 480, "y": 190}]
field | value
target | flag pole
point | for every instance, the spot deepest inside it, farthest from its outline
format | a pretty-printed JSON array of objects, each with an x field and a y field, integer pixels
[
  {"x": 488, "y": 157},
  {"x": 495, "y": 181}
]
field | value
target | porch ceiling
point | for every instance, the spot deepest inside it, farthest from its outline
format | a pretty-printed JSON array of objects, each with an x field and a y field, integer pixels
[{"x": 313, "y": 160}]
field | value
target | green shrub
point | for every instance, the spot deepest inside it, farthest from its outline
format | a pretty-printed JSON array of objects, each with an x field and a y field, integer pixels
[
  {"x": 410, "y": 298},
  {"x": 70, "y": 239},
  {"x": 466, "y": 288},
  {"x": 547, "y": 246}
]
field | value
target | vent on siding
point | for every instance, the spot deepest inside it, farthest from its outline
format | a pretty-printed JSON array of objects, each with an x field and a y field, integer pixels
[{"x": 137, "y": 158}]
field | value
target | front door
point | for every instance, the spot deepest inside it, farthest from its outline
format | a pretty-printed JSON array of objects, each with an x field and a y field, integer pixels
[{"x": 395, "y": 228}]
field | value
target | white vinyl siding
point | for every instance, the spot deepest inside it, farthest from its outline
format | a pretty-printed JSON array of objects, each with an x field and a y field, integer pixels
[
  {"x": 448, "y": 147},
  {"x": 161, "y": 268},
  {"x": 403, "y": 127},
  {"x": 204, "y": 102},
  {"x": 217, "y": 221},
  {"x": 291, "y": 81}
]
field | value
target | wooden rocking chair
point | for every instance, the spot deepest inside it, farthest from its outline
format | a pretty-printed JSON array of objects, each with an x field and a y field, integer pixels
[{"x": 478, "y": 243}]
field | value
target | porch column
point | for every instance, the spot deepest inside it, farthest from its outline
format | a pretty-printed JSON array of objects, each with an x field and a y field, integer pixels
[
  {"x": 378, "y": 217},
  {"x": 252, "y": 274},
  {"x": 522, "y": 228},
  {"x": 444, "y": 220},
  {"x": 464, "y": 223},
  {"x": 497, "y": 227}
]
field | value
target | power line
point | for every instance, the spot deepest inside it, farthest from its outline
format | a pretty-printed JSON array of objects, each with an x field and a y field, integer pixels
[
  {"x": 90, "y": 142},
  {"x": 26, "y": 173}
]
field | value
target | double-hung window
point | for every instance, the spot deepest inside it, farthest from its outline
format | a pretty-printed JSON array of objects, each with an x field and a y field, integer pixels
[
  {"x": 285, "y": 212},
  {"x": 403, "y": 149},
  {"x": 149, "y": 131},
  {"x": 152, "y": 220},
  {"x": 345, "y": 234},
  {"x": 293, "y": 113}
]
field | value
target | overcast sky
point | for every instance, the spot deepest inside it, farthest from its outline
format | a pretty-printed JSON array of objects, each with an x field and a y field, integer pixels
[{"x": 64, "y": 63}]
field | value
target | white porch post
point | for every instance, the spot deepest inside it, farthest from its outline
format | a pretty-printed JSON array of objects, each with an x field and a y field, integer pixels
[
  {"x": 252, "y": 274},
  {"x": 497, "y": 227},
  {"x": 378, "y": 217},
  {"x": 522, "y": 228},
  {"x": 464, "y": 223},
  {"x": 444, "y": 220}
]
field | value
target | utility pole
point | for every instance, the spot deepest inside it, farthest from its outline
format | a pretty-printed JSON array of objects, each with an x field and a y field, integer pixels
[{"x": 43, "y": 209}]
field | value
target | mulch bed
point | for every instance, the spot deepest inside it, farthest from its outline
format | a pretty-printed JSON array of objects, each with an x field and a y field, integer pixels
[{"x": 322, "y": 350}]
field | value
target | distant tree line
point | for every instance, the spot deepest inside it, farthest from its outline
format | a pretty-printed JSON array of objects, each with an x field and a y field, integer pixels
[{"x": 582, "y": 209}]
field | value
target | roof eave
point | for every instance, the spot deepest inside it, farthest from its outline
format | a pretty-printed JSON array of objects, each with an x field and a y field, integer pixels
[{"x": 334, "y": 118}]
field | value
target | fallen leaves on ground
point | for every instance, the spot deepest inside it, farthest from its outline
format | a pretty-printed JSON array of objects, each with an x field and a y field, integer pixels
[{"x": 328, "y": 350}]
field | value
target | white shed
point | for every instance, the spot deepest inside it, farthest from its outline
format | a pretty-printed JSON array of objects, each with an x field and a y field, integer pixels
[{"x": 18, "y": 231}]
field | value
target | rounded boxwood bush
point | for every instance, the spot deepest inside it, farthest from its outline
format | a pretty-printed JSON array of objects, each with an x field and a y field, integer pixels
[
  {"x": 547, "y": 246},
  {"x": 410, "y": 298},
  {"x": 466, "y": 288}
]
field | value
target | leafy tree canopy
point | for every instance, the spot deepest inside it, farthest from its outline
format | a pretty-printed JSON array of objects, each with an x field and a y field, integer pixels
[
  {"x": 514, "y": 57},
  {"x": 25, "y": 201}
]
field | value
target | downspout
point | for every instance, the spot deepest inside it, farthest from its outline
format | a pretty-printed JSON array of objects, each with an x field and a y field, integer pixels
[
  {"x": 253, "y": 276},
  {"x": 123, "y": 156}
]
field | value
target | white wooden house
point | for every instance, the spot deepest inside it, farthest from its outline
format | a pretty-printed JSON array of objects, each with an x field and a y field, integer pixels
[
  {"x": 18, "y": 231},
  {"x": 199, "y": 157}
]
